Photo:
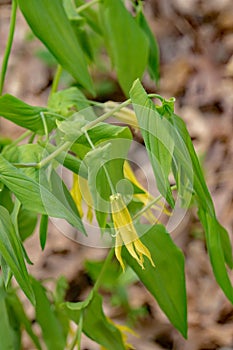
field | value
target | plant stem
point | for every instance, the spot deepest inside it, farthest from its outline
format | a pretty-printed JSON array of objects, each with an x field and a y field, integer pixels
[
  {"x": 149, "y": 205},
  {"x": 106, "y": 115},
  {"x": 78, "y": 334},
  {"x": 104, "y": 267},
  {"x": 105, "y": 170},
  {"x": 56, "y": 80},
  {"x": 80, "y": 328},
  {"x": 65, "y": 146},
  {"x": 85, "y": 6},
  {"x": 8, "y": 45}
]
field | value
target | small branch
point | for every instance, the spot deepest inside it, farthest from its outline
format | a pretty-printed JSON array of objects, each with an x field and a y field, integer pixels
[
  {"x": 104, "y": 268},
  {"x": 85, "y": 6},
  {"x": 150, "y": 204},
  {"x": 56, "y": 80},
  {"x": 106, "y": 115}
]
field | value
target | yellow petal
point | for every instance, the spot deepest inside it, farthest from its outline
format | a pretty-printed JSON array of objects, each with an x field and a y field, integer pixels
[
  {"x": 76, "y": 194},
  {"x": 118, "y": 246},
  {"x": 142, "y": 249},
  {"x": 132, "y": 252}
]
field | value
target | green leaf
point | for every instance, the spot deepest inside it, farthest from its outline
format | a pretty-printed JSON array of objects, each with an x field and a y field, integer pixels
[
  {"x": 98, "y": 134},
  {"x": 50, "y": 24},
  {"x": 5, "y": 329},
  {"x": 126, "y": 42},
  {"x": 43, "y": 230},
  {"x": 158, "y": 141},
  {"x": 105, "y": 171},
  {"x": 38, "y": 197},
  {"x": 19, "y": 312},
  {"x": 11, "y": 250},
  {"x": 69, "y": 101},
  {"x": 45, "y": 316},
  {"x": 153, "y": 61},
  {"x": 27, "y": 221},
  {"x": 165, "y": 281},
  {"x": 215, "y": 249},
  {"x": 24, "y": 115},
  {"x": 6, "y": 271},
  {"x": 95, "y": 324},
  {"x": 218, "y": 242},
  {"x": 68, "y": 161}
]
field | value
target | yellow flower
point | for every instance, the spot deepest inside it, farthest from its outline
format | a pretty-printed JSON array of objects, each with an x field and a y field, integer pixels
[
  {"x": 126, "y": 233},
  {"x": 125, "y": 114},
  {"x": 145, "y": 197},
  {"x": 123, "y": 329},
  {"x": 80, "y": 187}
]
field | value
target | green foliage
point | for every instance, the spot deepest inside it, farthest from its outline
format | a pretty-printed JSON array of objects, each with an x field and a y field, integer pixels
[
  {"x": 165, "y": 281},
  {"x": 73, "y": 133},
  {"x": 50, "y": 24}
]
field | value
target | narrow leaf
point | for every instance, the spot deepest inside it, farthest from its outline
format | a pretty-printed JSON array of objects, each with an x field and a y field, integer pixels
[
  {"x": 126, "y": 42},
  {"x": 158, "y": 141},
  {"x": 56, "y": 202},
  {"x": 11, "y": 250},
  {"x": 24, "y": 115},
  {"x": 45, "y": 316},
  {"x": 5, "y": 329},
  {"x": 50, "y": 24}
]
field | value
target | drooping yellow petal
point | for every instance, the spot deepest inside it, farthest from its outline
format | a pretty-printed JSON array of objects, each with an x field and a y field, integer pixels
[
  {"x": 80, "y": 191},
  {"x": 123, "y": 330},
  {"x": 126, "y": 233},
  {"x": 145, "y": 197},
  {"x": 76, "y": 194},
  {"x": 142, "y": 249},
  {"x": 118, "y": 246}
]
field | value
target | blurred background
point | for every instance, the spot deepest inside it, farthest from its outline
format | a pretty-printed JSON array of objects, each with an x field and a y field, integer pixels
[{"x": 195, "y": 39}]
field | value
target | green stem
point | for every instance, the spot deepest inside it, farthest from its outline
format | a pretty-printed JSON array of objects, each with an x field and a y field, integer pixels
[
  {"x": 149, "y": 205},
  {"x": 9, "y": 45},
  {"x": 80, "y": 329},
  {"x": 56, "y": 80},
  {"x": 64, "y": 147},
  {"x": 106, "y": 115},
  {"x": 78, "y": 334},
  {"x": 102, "y": 272},
  {"x": 105, "y": 170},
  {"x": 19, "y": 139},
  {"x": 85, "y": 6}
]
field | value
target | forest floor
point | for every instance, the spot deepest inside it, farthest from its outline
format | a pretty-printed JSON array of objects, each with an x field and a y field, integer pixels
[{"x": 196, "y": 48}]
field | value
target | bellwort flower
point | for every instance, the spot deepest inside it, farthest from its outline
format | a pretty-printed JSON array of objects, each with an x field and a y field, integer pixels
[{"x": 126, "y": 233}]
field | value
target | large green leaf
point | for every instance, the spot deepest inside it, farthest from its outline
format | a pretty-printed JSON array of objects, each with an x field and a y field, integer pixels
[
  {"x": 27, "y": 116},
  {"x": 17, "y": 308},
  {"x": 158, "y": 141},
  {"x": 165, "y": 281},
  {"x": 126, "y": 42},
  {"x": 11, "y": 250},
  {"x": 45, "y": 316},
  {"x": 38, "y": 197},
  {"x": 218, "y": 242},
  {"x": 95, "y": 324},
  {"x": 5, "y": 329},
  {"x": 48, "y": 21}
]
